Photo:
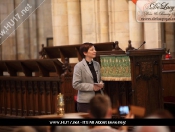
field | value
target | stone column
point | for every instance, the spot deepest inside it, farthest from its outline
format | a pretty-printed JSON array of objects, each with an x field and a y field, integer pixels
[
  {"x": 74, "y": 21},
  {"x": 102, "y": 20},
  {"x": 60, "y": 22},
  {"x": 152, "y": 35},
  {"x": 40, "y": 26},
  {"x": 34, "y": 48},
  {"x": 22, "y": 38},
  {"x": 9, "y": 45},
  {"x": 111, "y": 20},
  {"x": 88, "y": 21},
  {"x": 135, "y": 28},
  {"x": 121, "y": 22},
  {"x": 95, "y": 21}
]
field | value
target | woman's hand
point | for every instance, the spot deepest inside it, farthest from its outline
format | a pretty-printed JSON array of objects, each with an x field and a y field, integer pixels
[{"x": 97, "y": 87}]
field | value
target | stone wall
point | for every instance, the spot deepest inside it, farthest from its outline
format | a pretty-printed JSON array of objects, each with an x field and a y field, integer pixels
[
  {"x": 78, "y": 21},
  {"x": 26, "y": 41}
]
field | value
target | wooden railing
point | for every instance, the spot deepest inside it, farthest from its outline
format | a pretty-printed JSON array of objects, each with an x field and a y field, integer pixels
[{"x": 27, "y": 96}]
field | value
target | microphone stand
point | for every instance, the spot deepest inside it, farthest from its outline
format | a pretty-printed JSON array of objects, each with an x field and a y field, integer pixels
[{"x": 141, "y": 45}]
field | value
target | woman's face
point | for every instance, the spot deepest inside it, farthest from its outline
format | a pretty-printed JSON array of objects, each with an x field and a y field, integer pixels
[{"x": 91, "y": 53}]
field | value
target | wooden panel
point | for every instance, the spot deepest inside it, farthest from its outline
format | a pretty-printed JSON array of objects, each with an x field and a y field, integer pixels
[
  {"x": 119, "y": 92},
  {"x": 168, "y": 76},
  {"x": 69, "y": 93},
  {"x": 36, "y": 98},
  {"x": 24, "y": 99},
  {"x": 7, "y": 98},
  {"x": 30, "y": 98},
  {"x": 48, "y": 97},
  {"x": 13, "y": 97},
  {"x": 148, "y": 91},
  {"x": 146, "y": 73},
  {"x": 168, "y": 83},
  {"x": 3, "y": 98},
  {"x": 168, "y": 65},
  {"x": 55, "y": 90},
  {"x": 19, "y": 98},
  {"x": 42, "y": 93}
]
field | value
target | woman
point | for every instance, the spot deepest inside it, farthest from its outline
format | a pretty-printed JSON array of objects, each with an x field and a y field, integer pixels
[{"x": 86, "y": 74}]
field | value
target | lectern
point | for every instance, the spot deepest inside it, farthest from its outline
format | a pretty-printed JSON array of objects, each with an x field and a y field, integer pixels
[
  {"x": 135, "y": 79},
  {"x": 146, "y": 78}
]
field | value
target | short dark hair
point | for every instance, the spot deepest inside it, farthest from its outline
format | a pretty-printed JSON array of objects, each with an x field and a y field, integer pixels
[
  {"x": 84, "y": 48},
  {"x": 99, "y": 106}
]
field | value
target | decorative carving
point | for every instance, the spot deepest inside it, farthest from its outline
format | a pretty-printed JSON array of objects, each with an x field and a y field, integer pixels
[
  {"x": 68, "y": 99},
  {"x": 47, "y": 88},
  {"x": 130, "y": 46},
  {"x": 7, "y": 86},
  {"x": 143, "y": 58},
  {"x": 55, "y": 88},
  {"x": 115, "y": 46},
  {"x": 66, "y": 67},
  {"x": 35, "y": 88},
  {"x": 23, "y": 87},
  {"x": 26, "y": 90},
  {"x": 141, "y": 96},
  {"x": 41, "y": 90},
  {"x": 12, "y": 88},
  {"x": 30, "y": 87},
  {"x": 18, "y": 87},
  {"x": 43, "y": 54},
  {"x": 146, "y": 66},
  {"x": 147, "y": 69}
]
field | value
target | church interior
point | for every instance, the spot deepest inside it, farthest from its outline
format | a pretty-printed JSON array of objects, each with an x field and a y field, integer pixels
[{"x": 37, "y": 59}]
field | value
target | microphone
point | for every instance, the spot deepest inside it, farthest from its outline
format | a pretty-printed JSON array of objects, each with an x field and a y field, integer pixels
[{"x": 141, "y": 45}]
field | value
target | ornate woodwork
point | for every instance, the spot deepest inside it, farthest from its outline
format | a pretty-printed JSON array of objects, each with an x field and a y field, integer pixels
[
  {"x": 130, "y": 46},
  {"x": 35, "y": 93},
  {"x": 146, "y": 74}
]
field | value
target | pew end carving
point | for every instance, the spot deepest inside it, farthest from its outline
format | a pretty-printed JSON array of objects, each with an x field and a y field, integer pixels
[{"x": 129, "y": 46}]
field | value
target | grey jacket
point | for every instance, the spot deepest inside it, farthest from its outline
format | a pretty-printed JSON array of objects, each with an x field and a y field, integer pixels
[{"x": 83, "y": 80}]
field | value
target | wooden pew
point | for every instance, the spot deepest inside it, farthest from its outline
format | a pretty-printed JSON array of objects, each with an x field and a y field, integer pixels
[
  {"x": 30, "y": 87},
  {"x": 32, "y": 93},
  {"x": 59, "y": 75}
]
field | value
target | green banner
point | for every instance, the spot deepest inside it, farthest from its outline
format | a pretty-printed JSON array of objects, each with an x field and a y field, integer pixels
[{"x": 115, "y": 68}]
